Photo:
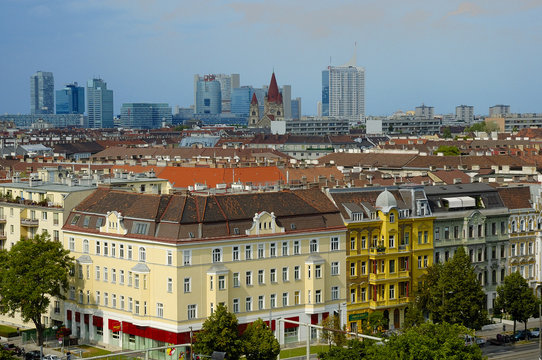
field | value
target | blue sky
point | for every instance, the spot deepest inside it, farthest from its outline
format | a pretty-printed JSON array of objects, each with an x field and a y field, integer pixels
[{"x": 441, "y": 53}]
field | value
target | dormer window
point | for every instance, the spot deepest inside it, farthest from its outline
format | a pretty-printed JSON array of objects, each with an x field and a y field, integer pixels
[{"x": 392, "y": 218}]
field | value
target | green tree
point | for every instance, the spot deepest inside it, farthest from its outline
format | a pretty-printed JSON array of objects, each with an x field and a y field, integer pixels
[
  {"x": 355, "y": 350},
  {"x": 448, "y": 150},
  {"x": 332, "y": 331},
  {"x": 31, "y": 273},
  {"x": 6, "y": 355},
  {"x": 426, "y": 342},
  {"x": 219, "y": 333},
  {"x": 447, "y": 133},
  {"x": 452, "y": 293},
  {"x": 516, "y": 298},
  {"x": 259, "y": 343},
  {"x": 413, "y": 316}
]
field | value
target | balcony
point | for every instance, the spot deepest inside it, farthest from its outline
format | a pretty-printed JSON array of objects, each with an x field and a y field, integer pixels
[
  {"x": 403, "y": 248},
  {"x": 2, "y": 219},
  {"x": 30, "y": 222},
  {"x": 377, "y": 277},
  {"x": 3, "y": 235},
  {"x": 379, "y": 250}
]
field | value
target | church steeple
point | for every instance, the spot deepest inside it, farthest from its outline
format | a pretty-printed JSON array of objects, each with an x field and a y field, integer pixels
[
  {"x": 254, "y": 111},
  {"x": 273, "y": 95}
]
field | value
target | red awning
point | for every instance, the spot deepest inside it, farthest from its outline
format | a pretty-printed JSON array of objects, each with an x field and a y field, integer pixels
[
  {"x": 288, "y": 325},
  {"x": 86, "y": 318},
  {"x": 114, "y": 325},
  {"x": 69, "y": 315},
  {"x": 98, "y": 321},
  {"x": 325, "y": 315},
  {"x": 272, "y": 324},
  {"x": 314, "y": 319},
  {"x": 77, "y": 317}
]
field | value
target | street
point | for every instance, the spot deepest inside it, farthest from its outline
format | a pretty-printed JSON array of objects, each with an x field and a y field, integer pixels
[{"x": 526, "y": 351}]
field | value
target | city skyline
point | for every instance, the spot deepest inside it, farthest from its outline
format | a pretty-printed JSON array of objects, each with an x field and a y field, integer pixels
[{"x": 442, "y": 55}]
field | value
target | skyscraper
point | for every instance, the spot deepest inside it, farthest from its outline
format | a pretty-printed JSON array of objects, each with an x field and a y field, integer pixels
[
  {"x": 70, "y": 100},
  {"x": 144, "y": 115},
  {"x": 227, "y": 84},
  {"x": 343, "y": 91},
  {"x": 42, "y": 95},
  {"x": 99, "y": 104},
  {"x": 208, "y": 95}
]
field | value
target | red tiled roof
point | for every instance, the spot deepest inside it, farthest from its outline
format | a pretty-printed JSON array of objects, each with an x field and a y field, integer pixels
[{"x": 518, "y": 197}]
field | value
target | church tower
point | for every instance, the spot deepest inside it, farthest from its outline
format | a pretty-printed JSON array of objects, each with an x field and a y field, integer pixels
[
  {"x": 254, "y": 112},
  {"x": 273, "y": 107}
]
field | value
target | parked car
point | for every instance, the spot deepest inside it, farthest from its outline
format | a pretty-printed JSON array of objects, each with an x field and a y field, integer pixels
[
  {"x": 522, "y": 335},
  {"x": 51, "y": 357},
  {"x": 535, "y": 332},
  {"x": 471, "y": 340},
  {"x": 32, "y": 355}
]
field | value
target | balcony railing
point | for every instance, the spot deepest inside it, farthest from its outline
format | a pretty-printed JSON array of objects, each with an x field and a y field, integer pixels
[
  {"x": 29, "y": 222},
  {"x": 3, "y": 235}
]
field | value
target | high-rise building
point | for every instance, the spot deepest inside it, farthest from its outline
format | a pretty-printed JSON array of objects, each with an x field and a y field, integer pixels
[
  {"x": 424, "y": 112},
  {"x": 296, "y": 108},
  {"x": 70, "y": 100},
  {"x": 343, "y": 91},
  {"x": 464, "y": 113},
  {"x": 208, "y": 95},
  {"x": 286, "y": 91},
  {"x": 42, "y": 93},
  {"x": 227, "y": 84},
  {"x": 145, "y": 115},
  {"x": 497, "y": 110},
  {"x": 99, "y": 104}
]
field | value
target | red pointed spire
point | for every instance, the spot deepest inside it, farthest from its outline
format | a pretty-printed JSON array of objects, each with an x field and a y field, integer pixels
[
  {"x": 273, "y": 93},
  {"x": 254, "y": 99}
]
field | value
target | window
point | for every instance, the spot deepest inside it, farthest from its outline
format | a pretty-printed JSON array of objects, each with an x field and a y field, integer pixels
[
  {"x": 419, "y": 262},
  {"x": 130, "y": 304},
  {"x": 363, "y": 294},
  {"x": 129, "y": 278},
  {"x": 285, "y": 273},
  {"x": 285, "y": 299},
  {"x": 335, "y": 268},
  {"x": 530, "y": 248},
  {"x": 425, "y": 261},
  {"x": 160, "y": 310},
  {"x": 248, "y": 252},
  {"x": 334, "y": 243},
  {"x": 136, "y": 281},
  {"x": 85, "y": 246},
  {"x": 297, "y": 274},
  {"x": 513, "y": 249},
  {"x": 86, "y": 220},
  {"x": 106, "y": 299},
  {"x": 72, "y": 244},
  {"x": 363, "y": 268},
  {"x": 248, "y": 278},
  {"x": 80, "y": 297},
  {"x": 391, "y": 241},
  {"x": 392, "y": 218},
  {"x": 285, "y": 248},
  {"x": 352, "y": 269},
  {"x": 273, "y": 275},
  {"x": 235, "y": 305},
  {"x": 211, "y": 282},
  {"x": 261, "y": 251},
  {"x": 437, "y": 233},
  {"x": 318, "y": 271},
  {"x": 129, "y": 252},
  {"x": 217, "y": 255},
  {"x": 169, "y": 257},
  {"x": 314, "y": 246},
  {"x": 170, "y": 285},
  {"x": 187, "y": 285},
  {"x": 273, "y": 300},
  {"x": 248, "y": 303},
  {"x": 122, "y": 302},
  {"x": 221, "y": 282},
  {"x": 106, "y": 248},
  {"x": 97, "y": 298},
  {"x": 309, "y": 297},
  {"x": 261, "y": 277},
  {"x": 334, "y": 293},
  {"x": 236, "y": 282},
  {"x": 121, "y": 251},
  {"x": 420, "y": 234},
  {"x": 261, "y": 302},
  {"x": 318, "y": 296},
  {"x": 55, "y": 219},
  {"x": 273, "y": 249},
  {"x": 75, "y": 219},
  {"x": 309, "y": 273},
  {"x": 296, "y": 247},
  {"x": 364, "y": 242},
  {"x": 352, "y": 295},
  {"x": 106, "y": 274},
  {"x": 80, "y": 271},
  {"x": 97, "y": 273},
  {"x": 192, "y": 311},
  {"x": 187, "y": 257},
  {"x": 352, "y": 243},
  {"x": 98, "y": 248},
  {"x": 392, "y": 291},
  {"x": 99, "y": 222},
  {"x": 140, "y": 228},
  {"x": 392, "y": 266}
]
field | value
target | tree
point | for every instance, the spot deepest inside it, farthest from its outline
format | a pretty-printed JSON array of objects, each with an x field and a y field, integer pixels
[
  {"x": 259, "y": 343},
  {"x": 355, "y": 350},
  {"x": 452, "y": 293},
  {"x": 332, "y": 331},
  {"x": 425, "y": 342},
  {"x": 516, "y": 298},
  {"x": 31, "y": 273},
  {"x": 448, "y": 150},
  {"x": 6, "y": 355},
  {"x": 219, "y": 333},
  {"x": 413, "y": 316},
  {"x": 447, "y": 133}
]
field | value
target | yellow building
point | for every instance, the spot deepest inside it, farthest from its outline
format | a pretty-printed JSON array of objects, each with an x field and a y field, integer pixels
[
  {"x": 152, "y": 268},
  {"x": 33, "y": 207},
  {"x": 390, "y": 244}
]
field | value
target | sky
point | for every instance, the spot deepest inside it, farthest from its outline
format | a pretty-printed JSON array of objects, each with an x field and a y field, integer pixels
[{"x": 439, "y": 53}]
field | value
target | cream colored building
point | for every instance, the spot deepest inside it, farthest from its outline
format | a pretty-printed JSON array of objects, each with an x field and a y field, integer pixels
[{"x": 152, "y": 268}]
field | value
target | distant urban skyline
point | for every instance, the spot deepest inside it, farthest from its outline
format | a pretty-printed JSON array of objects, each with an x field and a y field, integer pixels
[{"x": 479, "y": 53}]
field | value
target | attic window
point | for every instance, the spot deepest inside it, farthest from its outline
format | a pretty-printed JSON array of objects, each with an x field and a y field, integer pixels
[
  {"x": 75, "y": 219},
  {"x": 191, "y": 234},
  {"x": 86, "y": 221},
  {"x": 293, "y": 226},
  {"x": 99, "y": 223},
  {"x": 140, "y": 228},
  {"x": 236, "y": 231}
]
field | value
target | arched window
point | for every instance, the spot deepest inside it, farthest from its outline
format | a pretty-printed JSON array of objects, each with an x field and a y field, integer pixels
[
  {"x": 85, "y": 246},
  {"x": 531, "y": 224},
  {"x": 314, "y": 246},
  {"x": 522, "y": 225},
  {"x": 392, "y": 218},
  {"x": 514, "y": 226},
  {"x": 142, "y": 254},
  {"x": 217, "y": 255}
]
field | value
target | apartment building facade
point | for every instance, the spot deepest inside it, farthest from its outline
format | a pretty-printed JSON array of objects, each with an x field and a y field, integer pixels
[
  {"x": 151, "y": 268},
  {"x": 390, "y": 242}
]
